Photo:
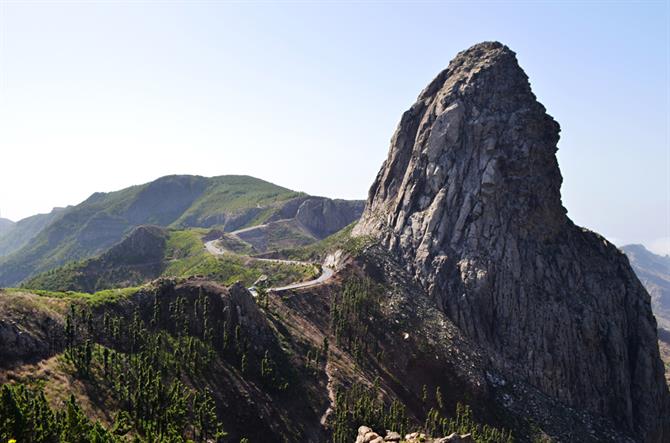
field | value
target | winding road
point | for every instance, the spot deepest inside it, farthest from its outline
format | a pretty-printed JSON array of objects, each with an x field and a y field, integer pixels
[{"x": 326, "y": 272}]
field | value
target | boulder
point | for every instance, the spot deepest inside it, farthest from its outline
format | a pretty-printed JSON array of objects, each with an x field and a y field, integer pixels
[{"x": 392, "y": 436}]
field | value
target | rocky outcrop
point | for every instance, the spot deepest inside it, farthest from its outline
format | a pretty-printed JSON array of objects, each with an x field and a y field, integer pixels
[
  {"x": 19, "y": 345},
  {"x": 367, "y": 435},
  {"x": 469, "y": 200},
  {"x": 323, "y": 216},
  {"x": 29, "y": 329},
  {"x": 299, "y": 222},
  {"x": 319, "y": 215}
]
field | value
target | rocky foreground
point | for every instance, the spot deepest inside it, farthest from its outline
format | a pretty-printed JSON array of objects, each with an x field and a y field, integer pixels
[{"x": 367, "y": 435}]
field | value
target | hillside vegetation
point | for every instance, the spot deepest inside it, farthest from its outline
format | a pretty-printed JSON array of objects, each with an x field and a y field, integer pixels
[
  {"x": 228, "y": 203},
  {"x": 150, "y": 252},
  {"x": 189, "y": 360}
]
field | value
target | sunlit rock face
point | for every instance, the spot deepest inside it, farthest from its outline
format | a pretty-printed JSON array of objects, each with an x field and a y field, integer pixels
[{"x": 469, "y": 199}]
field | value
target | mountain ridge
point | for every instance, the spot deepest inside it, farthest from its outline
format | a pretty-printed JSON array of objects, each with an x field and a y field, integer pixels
[
  {"x": 24, "y": 230},
  {"x": 5, "y": 225},
  {"x": 227, "y": 202}
]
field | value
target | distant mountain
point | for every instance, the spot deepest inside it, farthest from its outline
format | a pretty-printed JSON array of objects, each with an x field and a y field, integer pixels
[
  {"x": 21, "y": 232},
  {"x": 5, "y": 225},
  {"x": 228, "y": 203},
  {"x": 654, "y": 273}
]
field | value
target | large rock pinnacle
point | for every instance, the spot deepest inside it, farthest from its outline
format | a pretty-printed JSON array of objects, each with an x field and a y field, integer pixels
[{"x": 469, "y": 199}]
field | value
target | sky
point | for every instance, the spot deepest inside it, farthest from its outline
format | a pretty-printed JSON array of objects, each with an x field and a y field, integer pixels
[{"x": 101, "y": 95}]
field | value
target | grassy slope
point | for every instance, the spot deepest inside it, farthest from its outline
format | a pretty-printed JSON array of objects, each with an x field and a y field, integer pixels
[
  {"x": 96, "y": 224},
  {"x": 316, "y": 252},
  {"x": 184, "y": 256},
  {"x": 235, "y": 193},
  {"x": 136, "y": 259},
  {"x": 94, "y": 299}
]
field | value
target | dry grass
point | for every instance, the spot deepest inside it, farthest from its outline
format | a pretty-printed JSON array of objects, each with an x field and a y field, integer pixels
[
  {"x": 55, "y": 375},
  {"x": 22, "y": 302}
]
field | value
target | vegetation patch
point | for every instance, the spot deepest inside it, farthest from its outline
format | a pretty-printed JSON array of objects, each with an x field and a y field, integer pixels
[
  {"x": 96, "y": 298},
  {"x": 342, "y": 240}
]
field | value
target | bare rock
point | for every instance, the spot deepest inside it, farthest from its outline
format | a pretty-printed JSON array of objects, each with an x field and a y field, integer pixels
[
  {"x": 469, "y": 201},
  {"x": 392, "y": 436}
]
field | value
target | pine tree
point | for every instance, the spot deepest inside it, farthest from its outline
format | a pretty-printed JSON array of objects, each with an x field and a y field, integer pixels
[
  {"x": 12, "y": 421},
  {"x": 438, "y": 398}
]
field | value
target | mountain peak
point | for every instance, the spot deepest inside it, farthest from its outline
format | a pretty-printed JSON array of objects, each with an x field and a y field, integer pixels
[
  {"x": 475, "y": 60},
  {"x": 469, "y": 201},
  {"x": 478, "y": 128}
]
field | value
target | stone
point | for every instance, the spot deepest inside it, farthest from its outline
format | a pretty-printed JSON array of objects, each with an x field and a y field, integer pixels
[
  {"x": 370, "y": 436},
  {"x": 392, "y": 436},
  {"x": 469, "y": 202},
  {"x": 362, "y": 432}
]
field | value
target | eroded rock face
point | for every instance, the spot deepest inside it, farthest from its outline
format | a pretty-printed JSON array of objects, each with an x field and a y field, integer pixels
[
  {"x": 323, "y": 216},
  {"x": 319, "y": 215},
  {"x": 469, "y": 199}
]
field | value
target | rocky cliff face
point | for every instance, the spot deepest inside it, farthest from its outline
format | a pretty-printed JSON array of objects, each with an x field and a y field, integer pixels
[
  {"x": 320, "y": 216},
  {"x": 469, "y": 199}
]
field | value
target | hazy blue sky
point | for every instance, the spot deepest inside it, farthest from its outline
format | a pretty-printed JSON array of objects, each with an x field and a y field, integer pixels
[{"x": 96, "y": 96}]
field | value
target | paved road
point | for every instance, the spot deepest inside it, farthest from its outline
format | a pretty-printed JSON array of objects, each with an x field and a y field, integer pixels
[{"x": 326, "y": 272}]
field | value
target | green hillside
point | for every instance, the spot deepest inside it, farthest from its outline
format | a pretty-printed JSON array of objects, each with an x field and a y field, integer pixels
[
  {"x": 189, "y": 360},
  {"x": 104, "y": 218},
  {"x": 150, "y": 252},
  {"x": 235, "y": 202}
]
